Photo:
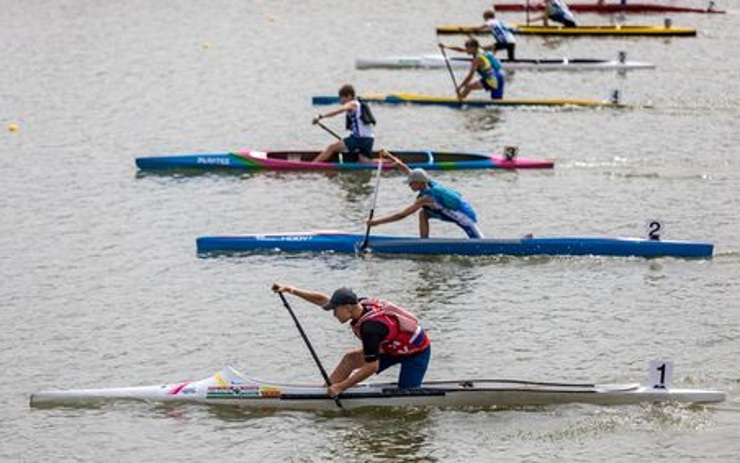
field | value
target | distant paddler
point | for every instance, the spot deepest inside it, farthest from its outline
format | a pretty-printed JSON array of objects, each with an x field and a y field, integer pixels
[
  {"x": 434, "y": 201},
  {"x": 485, "y": 65},
  {"x": 557, "y": 11},
  {"x": 390, "y": 336},
  {"x": 503, "y": 35},
  {"x": 358, "y": 146}
]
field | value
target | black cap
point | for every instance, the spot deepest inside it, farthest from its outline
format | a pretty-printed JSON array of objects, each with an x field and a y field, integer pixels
[{"x": 341, "y": 296}]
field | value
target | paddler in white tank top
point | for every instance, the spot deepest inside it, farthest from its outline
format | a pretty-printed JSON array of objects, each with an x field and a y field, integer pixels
[
  {"x": 361, "y": 136},
  {"x": 558, "y": 11},
  {"x": 503, "y": 35}
]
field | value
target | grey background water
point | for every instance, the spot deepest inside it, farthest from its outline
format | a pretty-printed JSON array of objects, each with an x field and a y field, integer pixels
[{"x": 101, "y": 285}]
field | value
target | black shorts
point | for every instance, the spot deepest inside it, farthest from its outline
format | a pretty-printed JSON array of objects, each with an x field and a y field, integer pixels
[{"x": 358, "y": 145}]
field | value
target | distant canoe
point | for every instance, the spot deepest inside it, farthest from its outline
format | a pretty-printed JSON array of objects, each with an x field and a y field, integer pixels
[
  {"x": 300, "y": 161},
  {"x": 382, "y": 244},
  {"x": 559, "y": 64},
  {"x": 612, "y": 8},
  {"x": 411, "y": 98},
  {"x": 609, "y": 30}
]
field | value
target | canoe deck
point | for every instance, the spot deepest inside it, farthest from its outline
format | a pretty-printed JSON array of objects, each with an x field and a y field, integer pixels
[
  {"x": 612, "y": 8},
  {"x": 452, "y": 102},
  {"x": 549, "y": 64},
  {"x": 608, "y": 30},
  {"x": 338, "y": 242},
  {"x": 230, "y": 387},
  {"x": 297, "y": 160}
]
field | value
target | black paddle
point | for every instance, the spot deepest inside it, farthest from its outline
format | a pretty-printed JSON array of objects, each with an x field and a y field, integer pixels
[
  {"x": 336, "y": 135},
  {"x": 310, "y": 347},
  {"x": 449, "y": 68},
  {"x": 366, "y": 241}
]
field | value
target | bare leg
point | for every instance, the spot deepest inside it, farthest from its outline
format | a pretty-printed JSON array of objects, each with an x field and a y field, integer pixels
[
  {"x": 351, "y": 361},
  {"x": 329, "y": 151},
  {"x": 470, "y": 87},
  {"x": 423, "y": 224},
  {"x": 364, "y": 158}
]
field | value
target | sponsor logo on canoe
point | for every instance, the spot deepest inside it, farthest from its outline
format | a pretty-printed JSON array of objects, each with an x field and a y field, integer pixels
[
  {"x": 284, "y": 238},
  {"x": 221, "y": 161},
  {"x": 270, "y": 391},
  {"x": 232, "y": 392},
  {"x": 178, "y": 389}
]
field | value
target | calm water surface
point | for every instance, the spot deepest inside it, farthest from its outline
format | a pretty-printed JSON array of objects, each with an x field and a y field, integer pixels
[{"x": 101, "y": 285}]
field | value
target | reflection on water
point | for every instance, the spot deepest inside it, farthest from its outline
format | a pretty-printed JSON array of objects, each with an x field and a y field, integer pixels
[
  {"x": 443, "y": 282},
  {"x": 384, "y": 435},
  {"x": 483, "y": 121},
  {"x": 357, "y": 186}
]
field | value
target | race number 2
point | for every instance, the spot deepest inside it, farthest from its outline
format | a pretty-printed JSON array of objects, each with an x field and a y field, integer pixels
[
  {"x": 660, "y": 374},
  {"x": 654, "y": 227}
]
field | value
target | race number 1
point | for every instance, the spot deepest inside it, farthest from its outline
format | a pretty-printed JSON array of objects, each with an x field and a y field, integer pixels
[
  {"x": 654, "y": 227},
  {"x": 660, "y": 374}
]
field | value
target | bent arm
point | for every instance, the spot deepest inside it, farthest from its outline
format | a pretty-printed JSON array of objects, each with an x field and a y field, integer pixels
[
  {"x": 418, "y": 204},
  {"x": 357, "y": 376},
  {"x": 469, "y": 77},
  {"x": 453, "y": 48},
  {"x": 401, "y": 166},
  {"x": 313, "y": 297},
  {"x": 348, "y": 106}
]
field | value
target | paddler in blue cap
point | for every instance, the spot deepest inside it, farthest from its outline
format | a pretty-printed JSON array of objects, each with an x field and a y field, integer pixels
[
  {"x": 434, "y": 200},
  {"x": 390, "y": 335},
  {"x": 486, "y": 65}
]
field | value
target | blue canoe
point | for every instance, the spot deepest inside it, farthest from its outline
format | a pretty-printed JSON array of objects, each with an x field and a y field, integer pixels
[{"x": 379, "y": 244}]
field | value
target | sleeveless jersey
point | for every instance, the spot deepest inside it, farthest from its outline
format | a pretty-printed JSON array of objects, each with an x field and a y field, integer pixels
[
  {"x": 405, "y": 336},
  {"x": 355, "y": 124},
  {"x": 500, "y": 31}
]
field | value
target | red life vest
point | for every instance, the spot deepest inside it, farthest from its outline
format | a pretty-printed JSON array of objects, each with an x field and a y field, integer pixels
[{"x": 405, "y": 336}]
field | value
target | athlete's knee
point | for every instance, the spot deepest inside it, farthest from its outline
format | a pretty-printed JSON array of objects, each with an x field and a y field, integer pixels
[{"x": 354, "y": 357}]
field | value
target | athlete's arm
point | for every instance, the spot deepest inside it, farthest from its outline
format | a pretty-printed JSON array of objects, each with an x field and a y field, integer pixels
[
  {"x": 403, "y": 167},
  {"x": 418, "y": 204},
  {"x": 313, "y": 297}
]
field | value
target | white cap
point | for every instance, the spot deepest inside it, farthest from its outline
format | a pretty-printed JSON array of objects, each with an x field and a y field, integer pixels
[{"x": 418, "y": 175}]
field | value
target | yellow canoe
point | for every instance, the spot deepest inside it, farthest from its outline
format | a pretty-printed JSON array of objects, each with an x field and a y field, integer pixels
[
  {"x": 410, "y": 98},
  {"x": 611, "y": 30}
]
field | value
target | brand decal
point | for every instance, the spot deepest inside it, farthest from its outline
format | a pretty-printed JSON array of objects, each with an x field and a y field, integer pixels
[
  {"x": 270, "y": 391},
  {"x": 211, "y": 160},
  {"x": 232, "y": 392}
]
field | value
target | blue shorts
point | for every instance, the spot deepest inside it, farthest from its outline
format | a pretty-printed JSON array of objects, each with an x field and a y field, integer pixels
[
  {"x": 362, "y": 145},
  {"x": 496, "y": 93},
  {"x": 413, "y": 368},
  {"x": 465, "y": 218}
]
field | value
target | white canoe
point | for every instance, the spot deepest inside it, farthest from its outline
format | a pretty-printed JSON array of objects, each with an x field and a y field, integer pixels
[
  {"x": 558, "y": 64},
  {"x": 229, "y": 387}
]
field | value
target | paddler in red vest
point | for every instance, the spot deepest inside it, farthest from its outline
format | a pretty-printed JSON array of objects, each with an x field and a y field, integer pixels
[{"x": 389, "y": 334}]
